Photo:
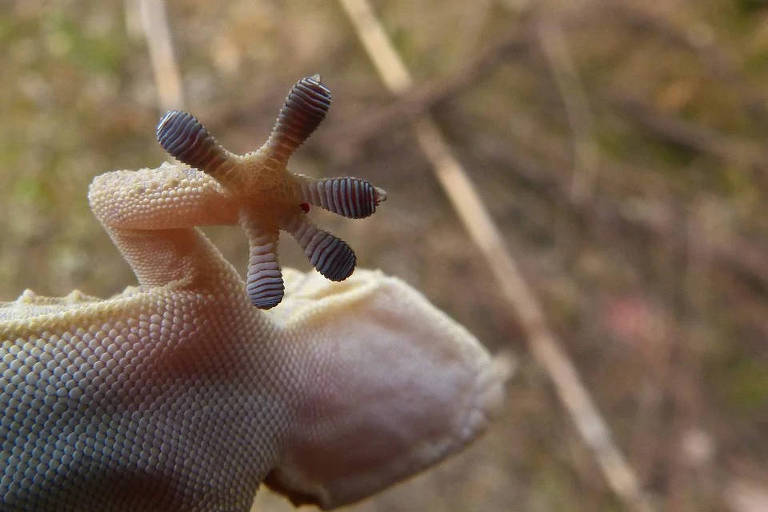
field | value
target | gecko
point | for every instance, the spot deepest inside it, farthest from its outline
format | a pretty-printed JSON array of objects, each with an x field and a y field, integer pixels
[{"x": 189, "y": 390}]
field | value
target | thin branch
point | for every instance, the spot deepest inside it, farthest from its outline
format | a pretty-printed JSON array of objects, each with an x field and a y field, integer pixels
[
  {"x": 696, "y": 39},
  {"x": 543, "y": 344},
  {"x": 742, "y": 258},
  {"x": 688, "y": 134},
  {"x": 155, "y": 23},
  {"x": 580, "y": 118},
  {"x": 420, "y": 98},
  {"x": 739, "y": 256}
]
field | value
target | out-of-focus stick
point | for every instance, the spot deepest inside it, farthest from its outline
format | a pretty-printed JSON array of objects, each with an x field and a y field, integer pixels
[
  {"x": 167, "y": 78},
  {"x": 542, "y": 342}
]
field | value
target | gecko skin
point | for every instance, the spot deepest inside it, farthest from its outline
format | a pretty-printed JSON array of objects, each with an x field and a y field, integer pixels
[{"x": 179, "y": 394}]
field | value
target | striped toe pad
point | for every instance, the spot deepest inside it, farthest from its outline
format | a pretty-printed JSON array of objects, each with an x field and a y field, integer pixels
[
  {"x": 187, "y": 140},
  {"x": 354, "y": 198},
  {"x": 305, "y": 107},
  {"x": 264, "y": 280},
  {"x": 331, "y": 256}
]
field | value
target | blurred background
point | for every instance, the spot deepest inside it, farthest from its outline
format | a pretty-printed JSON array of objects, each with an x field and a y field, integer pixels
[{"x": 619, "y": 146}]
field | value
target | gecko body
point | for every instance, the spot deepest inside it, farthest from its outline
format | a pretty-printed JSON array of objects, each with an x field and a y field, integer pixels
[{"x": 179, "y": 394}]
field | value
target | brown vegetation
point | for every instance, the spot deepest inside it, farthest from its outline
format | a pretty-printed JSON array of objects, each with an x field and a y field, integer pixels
[{"x": 619, "y": 148}]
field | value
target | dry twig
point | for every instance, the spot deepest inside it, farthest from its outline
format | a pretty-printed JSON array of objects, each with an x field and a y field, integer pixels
[
  {"x": 740, "y": 256},
  {"x": 580, "y": 119},
  {"x": 543, "y": 344},
  {"x": 421, "y": 98},
  {"x": 688, "y": 134},
  {"x": 155, "y": 23}
]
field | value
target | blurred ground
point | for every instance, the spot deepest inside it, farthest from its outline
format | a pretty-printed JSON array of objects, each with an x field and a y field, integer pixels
[{"x": 619, "y": 146}]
